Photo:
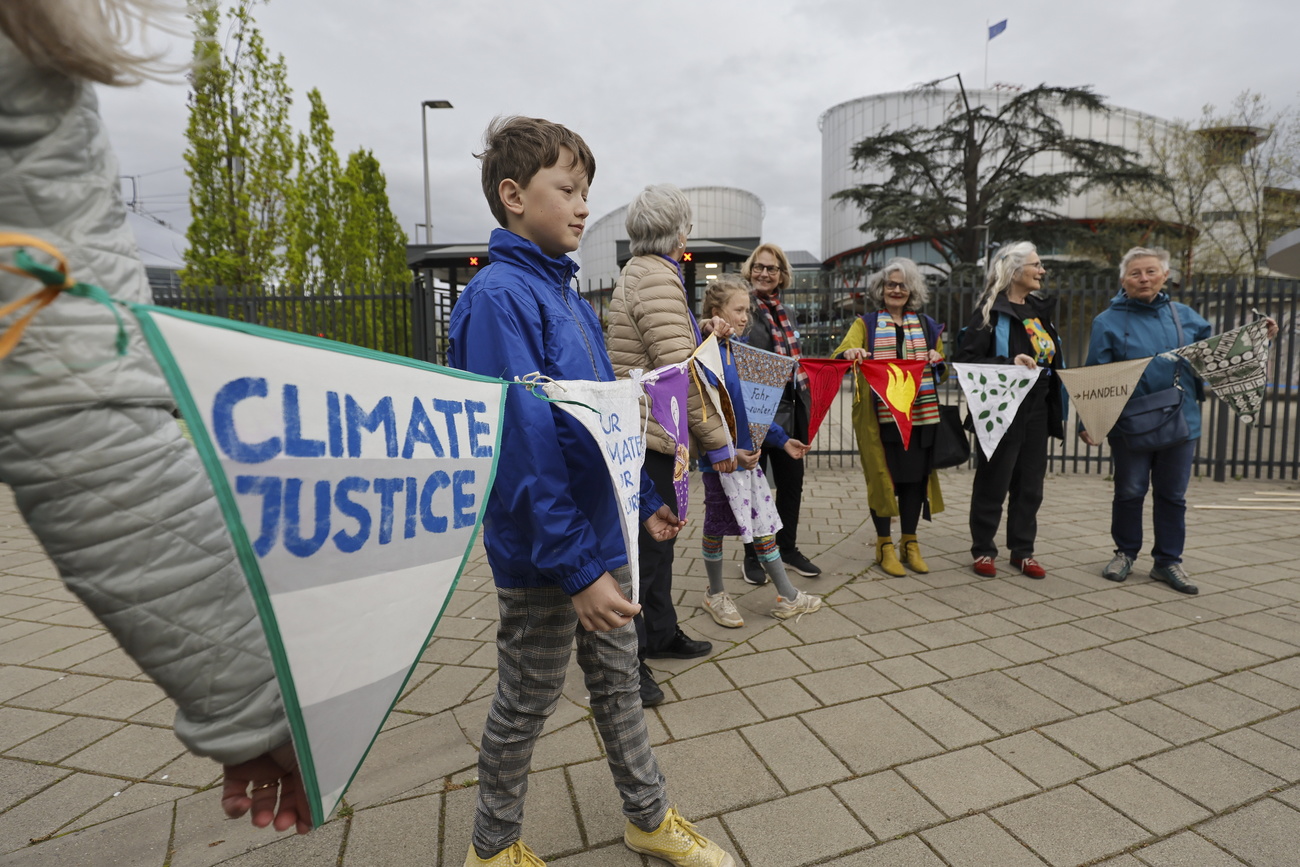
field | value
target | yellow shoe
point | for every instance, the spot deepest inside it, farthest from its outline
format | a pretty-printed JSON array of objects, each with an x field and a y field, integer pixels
[
  {"x": 517, "y": 854},
  {"x": 887, "y": 559},
  {"x": 912, "y": 554},
  {"x": 677, "y": 842}
]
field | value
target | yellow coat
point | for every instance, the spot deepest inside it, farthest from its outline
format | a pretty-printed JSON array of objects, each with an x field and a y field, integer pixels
[{"x": 880, "y": 487}]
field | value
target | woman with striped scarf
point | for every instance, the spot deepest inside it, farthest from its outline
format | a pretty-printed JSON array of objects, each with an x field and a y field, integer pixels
[{"x": 901, "y": 481}]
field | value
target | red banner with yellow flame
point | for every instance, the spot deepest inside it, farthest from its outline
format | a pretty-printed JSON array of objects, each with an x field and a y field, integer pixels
[{"x": 896, "y": 383}]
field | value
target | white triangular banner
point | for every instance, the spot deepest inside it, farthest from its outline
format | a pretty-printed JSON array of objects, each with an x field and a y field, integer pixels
[
  {"x": 708, "y": 356},
  {"x": 352, "y": 484},
  {"x": 1099, "y": 392},
  {"x": 994, "y": 393},
  {"x": 617, "y": 428}
]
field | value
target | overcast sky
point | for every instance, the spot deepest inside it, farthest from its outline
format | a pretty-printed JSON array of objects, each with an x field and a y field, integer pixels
[{"x": 692, "y": 92}]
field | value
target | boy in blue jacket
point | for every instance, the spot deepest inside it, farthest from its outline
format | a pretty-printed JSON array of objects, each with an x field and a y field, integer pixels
[{"x": 551, "y": 523}]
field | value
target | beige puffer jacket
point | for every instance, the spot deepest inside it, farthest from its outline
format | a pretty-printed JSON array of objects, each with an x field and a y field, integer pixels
[{"x": 648, "y": 326}]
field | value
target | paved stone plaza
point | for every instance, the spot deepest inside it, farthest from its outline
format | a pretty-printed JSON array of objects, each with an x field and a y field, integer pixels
[{"x": 933, "y": 720}]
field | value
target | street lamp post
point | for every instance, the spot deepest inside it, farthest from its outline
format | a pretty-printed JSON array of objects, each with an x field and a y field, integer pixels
[{"x": 424, "y": 126}]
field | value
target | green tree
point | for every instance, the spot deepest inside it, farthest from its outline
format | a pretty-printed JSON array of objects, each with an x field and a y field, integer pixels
[
  {"x": 982, "y": 166},
  {"x": 314, "y": 257},
  {"x": 240, "y": 155},
  {"x": 1230, "y": 184}
]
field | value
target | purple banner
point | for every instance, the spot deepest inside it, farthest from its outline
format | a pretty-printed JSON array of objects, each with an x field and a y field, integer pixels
[{"x": 667, "y": 390}]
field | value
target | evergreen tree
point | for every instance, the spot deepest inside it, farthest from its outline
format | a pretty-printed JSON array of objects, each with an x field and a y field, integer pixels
[
  {"x": 1005, "y": 167},
  {"x": 314, "y": 257}
]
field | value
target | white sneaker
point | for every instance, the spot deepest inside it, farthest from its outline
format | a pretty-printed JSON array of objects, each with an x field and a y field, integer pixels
[
  {"x": 804, "y": 603},
  {"x": 723, "y": 609}
]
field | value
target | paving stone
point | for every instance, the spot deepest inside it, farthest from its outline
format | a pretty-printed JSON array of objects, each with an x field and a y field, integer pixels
[
  {"x": 846, "y": 684},
  {"x": 1151, "y": 804},
  {"x": 835, "y": 654},
  {"x": 18, "y": 680},
  {"x": 53, "y": 807},
  {"x": 116, "y": 699},
  {"x": 1061, "y": 689},
  {"x": 780, "y": 698},
  {"x": 1186, "y": 850},
  {"x": 887, "y": 804},
  {"x": 19, "y": 780},
  {"x": 691, "y": 768},
  {"x": 1264, "y": 689},
  {"x": 967, "y": 780},
  {"x": 321, "y": 846},
  {"x": 1039, "y": 759},
  {"x": 405, "y": 758},
  {"x": 1207, "y": 650},
  {"x": 697, "y": 716},
  {"x": 1150, "y": 619},
  {"x": 969, "y": 599},
  {"x": 908, "y": 671},
  {"x": 401, "y": 834},
  {"x": 878, "y": 615},
  {"x": 1104, "y": 739},
  {"x": 907, "y": 852},
  {"x": 1109, "y": 628},
  {"x": 977, "y": 842},
  {"x": 1113, "y": 675},
  {"x": 940, "y": 718},
  {"x": 62, "y": 741},
  {"x": 1268, "y": 625},
  {"x": 1163, "y": 721},
  {"x": 794, "y": 754},
  {"x": 1015, "y": 649},
  {"x": 1001, "y": 702},
  {"x": 41, "y": 643},
  {"x": 1216, "y": 706},
  {"x": 1209, "y": 775},
  {"x": 1068, "y": 826},
  {"x": 763, "y": 667},
  {"x": 825, "y": 828},
  {"x": 892, "y": 643},
  {"x": 869, "y": 735},
  {"x": 1036, "y": 616},
  {"x": 1227, "y": 631},
  {"x": 130, "y": 798},
  {"x": 1285, "y": 728},
  {"x": 1162, "y": 661},
  {"x": 139, "y": 839},
  {"x": 964, "y": 660},
  {"x": 17, "y": 725},
  {"x": 942, "y": 634},
  {"x": 133, "y": 751},
  {"x": 1261, "y": 751}
]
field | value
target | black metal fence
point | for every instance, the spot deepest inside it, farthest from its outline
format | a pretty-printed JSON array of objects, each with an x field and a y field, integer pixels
[{"x": 412, "y": 320}]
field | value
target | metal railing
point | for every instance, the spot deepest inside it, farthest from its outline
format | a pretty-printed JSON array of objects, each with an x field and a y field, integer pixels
[{"x": 412, "y": 320}]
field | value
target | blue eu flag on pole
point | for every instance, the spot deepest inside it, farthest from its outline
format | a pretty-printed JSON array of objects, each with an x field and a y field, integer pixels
[{"x": 995, "y": 29}]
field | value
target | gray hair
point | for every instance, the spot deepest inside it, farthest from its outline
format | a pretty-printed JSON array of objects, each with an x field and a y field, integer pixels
[
  {"x": 657, "y": 217},
  {"x": 1003, "y": 268},
  {"x": 920, "y": 293},
  {"x": 93, "y": 39},
  {"x": 1144, "y": 253}
]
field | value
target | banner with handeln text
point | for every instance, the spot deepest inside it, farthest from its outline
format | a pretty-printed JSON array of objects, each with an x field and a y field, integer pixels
[{"x": 1099, "y": 392}]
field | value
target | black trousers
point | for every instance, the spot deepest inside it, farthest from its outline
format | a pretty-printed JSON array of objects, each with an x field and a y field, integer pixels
[
  {"x": 787, "y": 474},
  {"x": 656, "y": 625},
  {"x": 1017, "y": 468}
]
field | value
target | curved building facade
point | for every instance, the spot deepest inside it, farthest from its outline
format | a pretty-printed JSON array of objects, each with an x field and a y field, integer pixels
[
  {"x": 726, "y": 219},
  {"x": 844, "y": 125}
]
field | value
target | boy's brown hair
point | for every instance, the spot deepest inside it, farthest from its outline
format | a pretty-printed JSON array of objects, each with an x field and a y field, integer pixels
[{"x": 519, "y": 147}]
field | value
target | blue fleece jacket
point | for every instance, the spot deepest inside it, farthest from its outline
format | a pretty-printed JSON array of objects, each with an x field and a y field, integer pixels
[
  {"x": 551, "y": 519},
  {"x": 1136, "y": 329}
]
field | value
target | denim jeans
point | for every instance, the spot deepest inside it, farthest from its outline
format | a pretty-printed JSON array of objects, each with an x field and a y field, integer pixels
[{"x": 1166, "y": 472}]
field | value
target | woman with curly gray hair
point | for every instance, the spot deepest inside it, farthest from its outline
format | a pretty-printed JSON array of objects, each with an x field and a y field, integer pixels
[
  {"x": 901, "y": 481},
  {"x": 1012, "y": 324}
]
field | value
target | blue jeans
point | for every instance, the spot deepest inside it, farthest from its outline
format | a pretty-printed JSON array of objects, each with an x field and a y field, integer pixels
[{"x": 1166, "y": 472}]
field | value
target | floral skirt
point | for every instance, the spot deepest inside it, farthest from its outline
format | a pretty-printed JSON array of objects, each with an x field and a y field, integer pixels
[{"x": 739, "y": 504}]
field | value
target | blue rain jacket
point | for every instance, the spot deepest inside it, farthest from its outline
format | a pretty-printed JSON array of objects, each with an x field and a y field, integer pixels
[
  {"x": 1136, "y": 329},
  {"x": 551, "y": 519}
]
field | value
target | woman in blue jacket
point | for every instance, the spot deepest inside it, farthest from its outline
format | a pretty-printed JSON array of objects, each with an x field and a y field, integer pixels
[{"x": 1143, "y": 321}]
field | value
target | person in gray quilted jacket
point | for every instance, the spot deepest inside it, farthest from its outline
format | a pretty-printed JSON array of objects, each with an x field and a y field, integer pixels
[{"x": 88, "y": 443}]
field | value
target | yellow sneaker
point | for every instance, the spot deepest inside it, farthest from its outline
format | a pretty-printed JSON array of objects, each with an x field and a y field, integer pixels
[
  {"x": 517, "y": 854},
  {"x": 677, "y": 842}
]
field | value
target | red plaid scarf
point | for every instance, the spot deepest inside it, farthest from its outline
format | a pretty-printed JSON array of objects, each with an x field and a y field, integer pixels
[{"x": 785, "y": 341}]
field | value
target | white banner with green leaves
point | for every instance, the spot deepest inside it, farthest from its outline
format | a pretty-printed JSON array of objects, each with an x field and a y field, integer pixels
[{"x": 994, "y": 393}]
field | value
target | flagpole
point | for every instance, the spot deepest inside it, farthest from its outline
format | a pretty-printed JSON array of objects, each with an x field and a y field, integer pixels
[{"x": 987, "y": 40}]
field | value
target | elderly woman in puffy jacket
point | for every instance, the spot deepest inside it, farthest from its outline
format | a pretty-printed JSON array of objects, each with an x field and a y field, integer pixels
[
  {"x": 1142, "y": 321},
  {"x": 97, "y": 463},
  {"x": 649, "y": 325}
]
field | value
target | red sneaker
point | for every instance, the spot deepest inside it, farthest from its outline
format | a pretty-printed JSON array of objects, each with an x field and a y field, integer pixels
[
  {"x": 1030, "y": 567},
  {"x": 985, "y": 568}
]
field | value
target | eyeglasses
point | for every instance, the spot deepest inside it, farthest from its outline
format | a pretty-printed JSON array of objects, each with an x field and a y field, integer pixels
[
  {"x": 891, "y": 284},
  {"x": 765, "y": 269}
]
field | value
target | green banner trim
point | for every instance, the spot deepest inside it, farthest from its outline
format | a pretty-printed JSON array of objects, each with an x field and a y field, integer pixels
[{"x": 234, "y": 523}]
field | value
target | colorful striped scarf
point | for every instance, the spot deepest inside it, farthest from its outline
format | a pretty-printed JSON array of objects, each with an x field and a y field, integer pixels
[
  {"x": 785, "y": 341},
  {"x": 926, "y": 408}
]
